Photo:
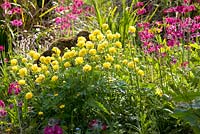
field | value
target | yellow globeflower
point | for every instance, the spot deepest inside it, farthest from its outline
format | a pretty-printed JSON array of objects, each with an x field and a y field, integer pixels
[
  {"x": 22, "y": 72},
  {"x": 92, "y": 51},
  {"x": 132, "y": 29},
  {"x": 21, "y": 82},
  {"x": 79, "y": 60},
  {"x": 61, "y": 106},
  {"x": 100, "y": 47},
  {"x": 36, "y": 56},
  {"x": 96, "y": 32},
  {"x": 81, "y": 38},
  {"x": 56, "y": 51},
  {"x": 40, "y": 113},
  {"x": 54, "y": 78},
  {"x": 42, "y": 59},
  {"x": 34, "y": 68},
  {"x": 31, "y": 53},
  {"x": 131, "y": 64},
  {"x": 24, "y": 60},
  {"x": 109, "y": 58},
  {"x": 80, "y": 44},
  {"x": 109, "y": 36},
  {"x": 55, "y": 67},
  {"x": 14, "y": 68},
  {"x": 67, "y": 64},
  {"x": 44, "y": 67},
  {"x": 117, "y": 35},
  {"x": 105, "y": 26},
  {"x": 89, "y": 45},
  {"x": 106, "y": 65},
  {"x": 82, "y": 52},
  {"x": 117, "y": 66},
  {"x": 13, "y": 62},
  {"x": 136, "y": 59},
  {"x": 112, "y": 50},
  {"x": 140, "y": 72},
  {"x": 29, "y": 95},
  {"x": 92, "y": 37},
  {"x": 108, "y": 32},
  {"x": 118, "y": 44},
  {"x": 100, "y": 37},
  {"x": 40, "y": 78},
  {"x": 54, "y": 62},
  {"x": 125, "y": 62},
  {"x": 47, "y": 59},
  {"x": 87, "y": 68}
]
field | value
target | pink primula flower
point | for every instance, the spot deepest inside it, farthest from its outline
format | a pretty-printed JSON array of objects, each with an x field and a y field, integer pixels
[
  {"x": 53, "y": 130},
  {"x": 141, "y": 11},
  {"x": 2, "y": 104},
  {"x": 6, "y": 5},
  {"x": 3, "y": 113},
  {"x": 16, "y": 23},
  {"x": 1, "y": 48}
]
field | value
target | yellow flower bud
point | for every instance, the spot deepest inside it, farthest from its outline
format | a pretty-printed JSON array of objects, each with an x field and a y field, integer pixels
[
  {"x": 109, "y": 58},
  {"x": 81, "y": 38},
  {"x": 140, "y": 72},
  {"x": 132, "y": 29},
  {"x": 34, "y": 68},
  {"x": 117, "y": 67},
  {"x": 61, "y": 106},
  {"x": 36, "y": 56},
  {"x": 89, "y": 45},
  {"x": 14, "y": 68},
  {"x": 55, "y": 67},
  {"x": 29, "y": 95},
  {"x": 100, "y": 37},
  {"x": 21, "y": 82},
  {"x": 131, "y": 64},
  {"x": 67, "y": 64},
  {"x": 40, "y": 113},
  {"x": 54, "y": 78},
  {"x": 109, "y": 36},
  {"x": 96, "y": 32},
  {"x": 105, "y": 26},
  {"x": 136, "y": 59},
  {"x": 82, "y": 52},
  {"x": 112, "y": 50},
  {"x": 118, "y": 44},
  {"x": 106, "y": 65}
]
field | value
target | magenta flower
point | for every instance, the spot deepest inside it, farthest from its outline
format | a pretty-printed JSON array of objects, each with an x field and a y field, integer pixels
[
  {"x": 60, "y": 9},
  {"x": 53, "y": 130},
  {"x": 58, "y": 20},
  {"x": 14, "y": 87},
  {"x": 6, "y": 5},
  {"x": 1, "y": 48},
  {"x": 16, "y": 10},
  {"x": 139, "y": 4},
  {"x": 2, "y": 104},
  {"x": 3, "y": 113},
  {"x": 16, "y": 23},
  {"x": 141, "y": 11}
]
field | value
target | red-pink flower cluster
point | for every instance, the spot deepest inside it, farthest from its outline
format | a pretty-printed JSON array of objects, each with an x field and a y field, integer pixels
[
  {"x": 6, "y": 6},
  {"x": 53, "y": 130},
  {"x": 180, "y": 9},
  {"x": 1, "y": 48},
  {"x": 3, "y": 112},
  {"x": 14, "y": 88}
]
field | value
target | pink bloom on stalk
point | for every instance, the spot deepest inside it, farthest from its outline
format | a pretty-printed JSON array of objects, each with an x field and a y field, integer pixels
[
  {"x": 139, "y": 4},
  {"x": 186, "y": 1},
  {"x": 14, "y": 87},
  {"x": 2, "y": 104},
  {"x": 16, "y": 10},
  {"x": 6, "y": 5},
  {"x": 72, "y": 16},
  {"x": 53, "y": 130},
  {"x": 184, "y": 64},
  {"x": 141, "y": 11},
  {"x": 16, "y": 23},
  {"x": 103, "y": 127},
  {"x": 65, "y": 26},
  {"x": 3, "y": 113},
  {"x": 58, "y": 20},
  {"x": 1, "y": 48},
  {"x": 78, "y": 3},
  {"x": 60, "y": 9}
]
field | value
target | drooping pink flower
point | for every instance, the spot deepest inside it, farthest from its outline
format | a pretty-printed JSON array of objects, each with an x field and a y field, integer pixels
[
  {"x": 139, "y": 4},
  {"x": 1, "y": 48},
  {"x": 16, "y": 10},
  {"x": 16, "y": 23},
  {"x": 141, "y": 11},
  {"x": 3, "y": 113},
  {"x": 2, "y": 104},
  {"x": 14, "y": 87},
  {"x": 6, "y": 5}
]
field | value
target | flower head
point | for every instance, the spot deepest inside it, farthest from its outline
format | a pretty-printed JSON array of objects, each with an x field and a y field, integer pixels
[
  {"x": 87, "y": 68},
  {"x": 17, "y": 23},
  {"x": 2, "y": 104},
  {"x": 14, "y": 87},
  {"x": 29, "y": 95},
  {"x": 1, "y": 48}
]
